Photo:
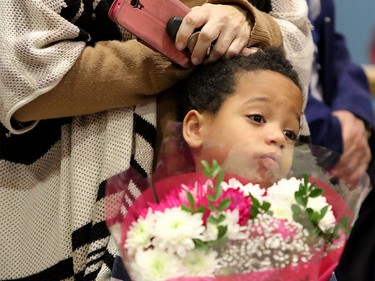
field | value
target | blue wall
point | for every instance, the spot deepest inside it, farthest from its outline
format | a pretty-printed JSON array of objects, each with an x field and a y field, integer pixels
[{"x": 356, "y": 20}]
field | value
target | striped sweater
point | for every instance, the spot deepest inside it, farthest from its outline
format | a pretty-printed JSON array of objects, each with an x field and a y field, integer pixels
[{"x": 53, "y": 172}]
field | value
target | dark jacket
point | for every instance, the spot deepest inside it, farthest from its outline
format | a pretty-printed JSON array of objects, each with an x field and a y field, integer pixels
[
  {"x": 345, "y": 87},
  {"x": 344, "y": 84}
]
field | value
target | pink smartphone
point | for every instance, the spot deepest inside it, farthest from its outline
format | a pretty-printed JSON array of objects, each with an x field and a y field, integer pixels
[{"x": 147, "y": 20}]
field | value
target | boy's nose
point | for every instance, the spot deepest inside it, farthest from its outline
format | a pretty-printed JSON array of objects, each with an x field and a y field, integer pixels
[{"x": 275, "y": 136}]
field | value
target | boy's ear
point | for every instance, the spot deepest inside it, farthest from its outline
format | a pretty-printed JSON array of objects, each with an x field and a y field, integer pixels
[{"x": 191, "y": 128}]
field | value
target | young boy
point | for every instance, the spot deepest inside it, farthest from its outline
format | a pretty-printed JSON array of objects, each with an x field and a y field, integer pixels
[{"x": 245, "y": 113}]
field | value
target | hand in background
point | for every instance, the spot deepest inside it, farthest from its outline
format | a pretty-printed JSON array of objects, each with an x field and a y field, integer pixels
[
  {"x": 227, "y": 26},
  {"x": 356, "y": 154}
]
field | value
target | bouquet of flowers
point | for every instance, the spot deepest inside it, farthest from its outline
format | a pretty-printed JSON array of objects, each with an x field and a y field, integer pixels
[{"x": 219, "y": 226}]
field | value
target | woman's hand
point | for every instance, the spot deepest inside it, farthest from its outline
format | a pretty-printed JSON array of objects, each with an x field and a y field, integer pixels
[{"x": 224, "y": 31}]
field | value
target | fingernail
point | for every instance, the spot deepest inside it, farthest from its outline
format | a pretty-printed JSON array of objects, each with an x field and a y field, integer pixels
[
  {"x": 194, "y": 61},
  {"x": 180, "y": 46}
]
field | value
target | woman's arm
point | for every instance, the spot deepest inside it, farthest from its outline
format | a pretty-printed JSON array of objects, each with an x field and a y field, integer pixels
[{"x": 110, "y": 75}]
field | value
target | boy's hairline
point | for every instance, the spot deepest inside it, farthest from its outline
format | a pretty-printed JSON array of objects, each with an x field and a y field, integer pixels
[{"x": 236, "y": 78}]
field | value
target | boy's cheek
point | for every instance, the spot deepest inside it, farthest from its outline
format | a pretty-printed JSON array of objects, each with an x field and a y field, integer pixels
[{"x": 286, "y": 163}]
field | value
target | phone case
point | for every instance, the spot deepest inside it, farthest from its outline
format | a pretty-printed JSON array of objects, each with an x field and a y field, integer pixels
[{"x": 147, "y": 20}]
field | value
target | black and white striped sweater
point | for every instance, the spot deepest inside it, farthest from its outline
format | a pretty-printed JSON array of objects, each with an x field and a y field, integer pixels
[{"x": 53, "y": 173}]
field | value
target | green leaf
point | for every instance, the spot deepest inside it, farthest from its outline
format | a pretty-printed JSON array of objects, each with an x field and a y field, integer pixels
[
  {"x": 304, "y": 186},
  {"x": 219, "y": 180},
  {"x": 323, "y": 212},
  {"x": 296, "y": 218},
  {"x": 222, "y": 229},
  {"x": 206, "y": 167},
  {"x": 254, "y": 211},
  {"x": 254, "y": 201},
  {"x": 309, "y": 212},
  {"x": 314, "y": 217},
  {"x": 296, "y": 209},
  {"x": 299, "y": 198},
  {"x": 221, "y": 218},
  {"x": 212, "y": 220},
  {"x": 198, "y": 243},
  {"x": 306, "y": 224},
  {"x": 316, "y": 192},
  {"x": 224, "y": 204},
  {"x": 215, "y": 169},
  {"x": 306, "y": 179},
  {"x": 304, "y": 200},
  {"x": 191, "y": 199},
  {"x": 211, "y": 171},
  {"x": 186, "y": 209},
  {"x": 211, "y": 198},
  {"x": 201, "y": 209},
  {"x": 301, "y": 188},
  {"x": 336, "y": 228},
  {"x": 266, "y": 206},
  {"x": 345, "y": 222},
  {"x": 218, "y": 191},
  {"x": 312, "y": 185}
]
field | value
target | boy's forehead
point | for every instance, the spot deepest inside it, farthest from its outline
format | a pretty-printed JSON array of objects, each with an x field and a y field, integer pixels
[
  {"x": 262, "y": 77},
  {"x": 268, "y": 87}
]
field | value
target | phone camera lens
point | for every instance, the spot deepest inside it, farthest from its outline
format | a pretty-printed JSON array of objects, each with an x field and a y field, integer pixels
[{"x": 134, "y": 3}]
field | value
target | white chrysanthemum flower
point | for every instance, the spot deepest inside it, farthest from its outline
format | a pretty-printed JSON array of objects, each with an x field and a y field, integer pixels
[
  {"x": 156, "y": 265},
  {"x": 201, "y": 262},
  {"x": 211, "y": 232},
  {"x": 281, "y": 197},
  {"x": 140, "y": 233},
  {"x": 176, "y": 230},
  {"x": 257, "y": 192},
  {"x": 328, "y": 221},
  {"x": 254, "y": 189},
  {"x": 234, "y": 230}
]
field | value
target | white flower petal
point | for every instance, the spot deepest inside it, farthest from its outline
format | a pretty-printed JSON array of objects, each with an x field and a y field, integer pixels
[
  {"x": 176, "y": 230},
  {"x": 201, "y": 262},
  {"x": 140, "y": 233},
  {"x": 154, "y": 265}
]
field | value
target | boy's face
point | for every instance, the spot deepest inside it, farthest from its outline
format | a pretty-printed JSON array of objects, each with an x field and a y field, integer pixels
[{"x": 254, "y": 132}]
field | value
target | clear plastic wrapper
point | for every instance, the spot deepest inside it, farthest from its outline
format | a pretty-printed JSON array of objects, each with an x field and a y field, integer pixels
[{"x": 219, "y": 224}]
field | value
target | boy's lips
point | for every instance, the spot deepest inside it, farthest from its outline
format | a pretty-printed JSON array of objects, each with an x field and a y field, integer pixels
[{"x": 270, "y": 160}]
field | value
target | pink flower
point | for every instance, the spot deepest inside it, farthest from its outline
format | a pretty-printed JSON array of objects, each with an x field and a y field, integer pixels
[{"x": 240, "y": 202}]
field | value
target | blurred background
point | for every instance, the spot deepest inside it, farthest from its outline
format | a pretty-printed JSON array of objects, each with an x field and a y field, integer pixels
[{"x": 356, "y": 20}]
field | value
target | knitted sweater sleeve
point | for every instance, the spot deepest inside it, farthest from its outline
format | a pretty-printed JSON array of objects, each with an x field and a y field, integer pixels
[{"x": 110, "y": 75}]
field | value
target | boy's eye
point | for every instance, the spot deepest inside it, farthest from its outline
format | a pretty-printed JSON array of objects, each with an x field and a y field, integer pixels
[
  {"x": 290, "y": 135},
  {"x": 257, "y": 118}
]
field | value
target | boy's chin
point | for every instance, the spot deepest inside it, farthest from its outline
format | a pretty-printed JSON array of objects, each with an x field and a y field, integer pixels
[{"x": 264, "y": 179}]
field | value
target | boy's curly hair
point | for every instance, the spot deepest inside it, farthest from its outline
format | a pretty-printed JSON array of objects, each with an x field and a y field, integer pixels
[{"x": 209, "y": 85}]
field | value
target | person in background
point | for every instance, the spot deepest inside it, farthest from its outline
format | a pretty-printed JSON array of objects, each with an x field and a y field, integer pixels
[
  {"x": 340, "y": 116},
  {"x": 77, "y": 106}
]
